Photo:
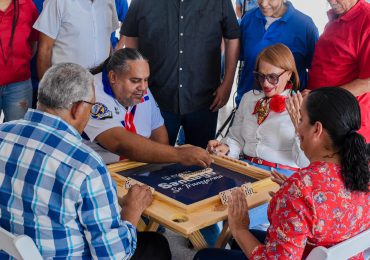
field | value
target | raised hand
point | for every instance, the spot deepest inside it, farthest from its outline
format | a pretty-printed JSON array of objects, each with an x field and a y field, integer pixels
[{"x": 293, "y": 106}]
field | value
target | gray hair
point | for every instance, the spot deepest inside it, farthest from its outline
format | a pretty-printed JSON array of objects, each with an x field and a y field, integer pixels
[{"x": 64, "y": 84}]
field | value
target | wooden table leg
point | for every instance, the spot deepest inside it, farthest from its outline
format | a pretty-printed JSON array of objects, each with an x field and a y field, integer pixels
[
  {"x": 198, "y": 241},
  {"x": 152, "y": 226},
  {"x": 224, "y": 237}
]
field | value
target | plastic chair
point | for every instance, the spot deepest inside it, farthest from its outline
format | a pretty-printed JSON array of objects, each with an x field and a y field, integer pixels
[
  {"x": 343, "y": 250},
  {"x": 20, "y": 247}
]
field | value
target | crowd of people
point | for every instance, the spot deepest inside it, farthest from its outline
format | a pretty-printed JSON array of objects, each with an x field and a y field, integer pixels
[{"x": 88, "y": 99}]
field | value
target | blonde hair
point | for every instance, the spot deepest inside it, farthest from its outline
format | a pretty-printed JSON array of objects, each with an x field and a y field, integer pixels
[{"x": 279, "y": 55}]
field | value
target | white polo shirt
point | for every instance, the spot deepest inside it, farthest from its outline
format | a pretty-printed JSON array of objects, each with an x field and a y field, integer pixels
[
  {"x": 81, "y": 29},
  {"x": 147, "y": 118}
]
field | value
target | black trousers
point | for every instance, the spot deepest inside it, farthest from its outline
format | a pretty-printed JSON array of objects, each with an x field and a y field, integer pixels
[
  {"x": 153, "y": 246},
  {"x": 199, "y": 126}
]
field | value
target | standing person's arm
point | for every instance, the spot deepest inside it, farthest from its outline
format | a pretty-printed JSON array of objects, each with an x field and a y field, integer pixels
[
  {"x": 45, "y": 49},
  {"x": 358, "y": 87},
  {"x": 222, "y": 94},
  {"x": 122, "y": 8},
  {"x": 48, "y": 25},
  {"x": 231, "y": 34},
  {"x": 238, "y": 10},
  {"x": 130, "y": 26}
]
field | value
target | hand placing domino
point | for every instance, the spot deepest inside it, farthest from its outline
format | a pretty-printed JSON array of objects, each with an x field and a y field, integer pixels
[
  {"x": 225, "y": 196},
  {"x": 131, "y": 182}
]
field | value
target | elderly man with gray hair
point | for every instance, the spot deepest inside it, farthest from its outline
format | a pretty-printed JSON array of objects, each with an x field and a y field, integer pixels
[{"x": 57, "y": 190}]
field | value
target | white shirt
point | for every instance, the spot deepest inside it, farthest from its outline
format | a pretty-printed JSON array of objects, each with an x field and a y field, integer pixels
[
  {"x": 81, "y": 29},
  {"x": 274, "y": 140},
  {"x": 147, "y": 118}
]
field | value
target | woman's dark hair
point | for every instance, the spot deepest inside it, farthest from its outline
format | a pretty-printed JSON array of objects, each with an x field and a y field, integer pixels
[
  {"x": 118, "y": 61},
  {"x": 339, "y": 113},
  {"x": 14, "y": 26}
]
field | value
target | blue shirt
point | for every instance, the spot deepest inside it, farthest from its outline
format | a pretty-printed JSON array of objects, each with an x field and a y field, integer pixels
[
  {"x": 294, "y": 29},
  {"x": 59, "y": 192},
  {"x": 121, "y": 7}
]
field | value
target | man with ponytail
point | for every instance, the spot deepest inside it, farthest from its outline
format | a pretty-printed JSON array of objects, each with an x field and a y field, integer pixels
[
  {"x": 322, "y": 204},
  {"x": 126, "y": 122}
]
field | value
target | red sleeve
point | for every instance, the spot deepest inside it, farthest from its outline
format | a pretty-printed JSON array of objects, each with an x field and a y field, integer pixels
[
  {"x": 364, "y": 54},
  {"x": 290, "y": 218}
]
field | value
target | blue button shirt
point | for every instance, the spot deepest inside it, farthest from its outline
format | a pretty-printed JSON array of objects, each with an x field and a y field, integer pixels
[
  {"x": 294, "y": 29},
  {"x": 59, "y": 192}
]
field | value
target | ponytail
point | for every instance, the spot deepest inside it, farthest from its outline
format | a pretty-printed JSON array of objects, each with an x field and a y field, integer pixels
[
  {"x": 355, "y": 162},
  {"x": 102, "y": 66},
  {"x": 118, "y": 61}
]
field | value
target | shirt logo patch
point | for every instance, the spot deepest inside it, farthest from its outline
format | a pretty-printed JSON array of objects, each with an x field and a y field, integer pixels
[{"x": 100, "y": 111}]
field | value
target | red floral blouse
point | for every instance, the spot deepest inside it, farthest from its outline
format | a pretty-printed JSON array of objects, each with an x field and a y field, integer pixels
[{"x": 313, "y": 208}]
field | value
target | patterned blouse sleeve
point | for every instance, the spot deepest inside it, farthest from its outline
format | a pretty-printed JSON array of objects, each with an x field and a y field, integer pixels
[{"x": 291, "y": 216}]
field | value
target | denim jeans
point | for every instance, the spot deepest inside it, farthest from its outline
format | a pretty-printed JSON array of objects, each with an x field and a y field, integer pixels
[
  {"x": 15, "y": 99},
  {"x": 199, "y": 126}
]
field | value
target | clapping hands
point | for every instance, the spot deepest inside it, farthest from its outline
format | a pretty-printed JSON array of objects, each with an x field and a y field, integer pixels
[{"x": 293, "y": 106}]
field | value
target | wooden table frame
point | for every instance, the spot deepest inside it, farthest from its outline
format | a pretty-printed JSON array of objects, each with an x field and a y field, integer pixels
[{"x": 188, "y": 224}]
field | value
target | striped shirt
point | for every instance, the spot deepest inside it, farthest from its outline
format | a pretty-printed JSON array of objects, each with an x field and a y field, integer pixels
[{"x": 58, "y": 191}]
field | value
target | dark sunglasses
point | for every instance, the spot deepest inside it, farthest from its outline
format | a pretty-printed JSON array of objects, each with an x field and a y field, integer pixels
[{"x": 271, "y": 78}]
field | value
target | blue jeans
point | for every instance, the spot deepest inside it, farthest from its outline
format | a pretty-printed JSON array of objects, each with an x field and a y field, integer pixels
[
  {"x": 15, "y": 99},
  {"x": 199, "y": 126},
  {"x": 234, "y": 253}
]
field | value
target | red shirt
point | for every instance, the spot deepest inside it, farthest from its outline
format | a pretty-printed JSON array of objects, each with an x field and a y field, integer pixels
[
  {"x": 15, "y": 62},
  {"x": 313, "y": 208},
  {"x": 342, "y": 54}
]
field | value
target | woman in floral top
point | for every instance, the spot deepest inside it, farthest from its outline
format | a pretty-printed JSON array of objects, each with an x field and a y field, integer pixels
[{"x": 322, "y": 204}]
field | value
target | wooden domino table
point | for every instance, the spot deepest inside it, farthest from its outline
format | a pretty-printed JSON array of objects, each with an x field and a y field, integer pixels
[{"x": 177, "y": 204}]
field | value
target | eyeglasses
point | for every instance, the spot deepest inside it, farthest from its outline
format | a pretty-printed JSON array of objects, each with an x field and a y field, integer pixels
[
  {"x": 94, "y": 106},
  {"x": 87, "y": 102},
  {"x": 271, "y": 78}
]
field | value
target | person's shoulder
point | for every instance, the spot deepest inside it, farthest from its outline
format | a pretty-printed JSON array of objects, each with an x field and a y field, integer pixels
[
  {"x": 251, "y": 14},
  {"x": 301, "y": 18},
  {"x": 316, "y": 173},
  {"x": 250, "y": 98},
  {"x": 90, "y": 161},
  {"x": 366, "y": 12}
]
